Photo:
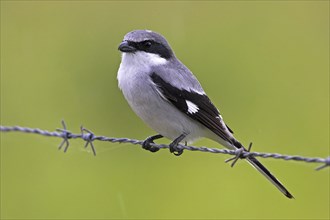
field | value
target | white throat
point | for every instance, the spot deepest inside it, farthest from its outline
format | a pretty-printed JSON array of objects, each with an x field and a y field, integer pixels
[
  {"x": 141, "y": 58},
  {"x": 135, "y": 65}
]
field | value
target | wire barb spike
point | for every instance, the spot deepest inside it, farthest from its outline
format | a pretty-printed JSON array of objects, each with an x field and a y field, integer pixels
[
  {"x": 239, "y": 154},
  {"x": 89, "y": 137},
  {"x": 327, "y": 163},
  {"x": 66, "y": 135}
]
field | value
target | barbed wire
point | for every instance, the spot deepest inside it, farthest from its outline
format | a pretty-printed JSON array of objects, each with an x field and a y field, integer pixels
[{"x": 89, "y": 137}]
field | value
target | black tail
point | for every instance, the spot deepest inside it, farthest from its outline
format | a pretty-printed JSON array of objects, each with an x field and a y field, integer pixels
[
  {"x": 256, "y": 164},
  {"x": 262, "y": 169}
]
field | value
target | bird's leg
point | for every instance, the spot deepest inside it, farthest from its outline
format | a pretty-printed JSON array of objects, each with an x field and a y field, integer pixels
[
  {"x": 150, "y": 140},
  {"x": 174, "y": 145}
]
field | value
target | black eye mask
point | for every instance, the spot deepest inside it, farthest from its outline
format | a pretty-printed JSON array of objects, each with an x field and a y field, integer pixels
[{"x": 150, "y": 46}]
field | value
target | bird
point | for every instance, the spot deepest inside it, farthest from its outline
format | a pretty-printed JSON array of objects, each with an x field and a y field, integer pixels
[{"x": 166, "y": 95}]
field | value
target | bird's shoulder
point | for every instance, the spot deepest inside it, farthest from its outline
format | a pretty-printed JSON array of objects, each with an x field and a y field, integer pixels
[{"x": 178, "y": 75}]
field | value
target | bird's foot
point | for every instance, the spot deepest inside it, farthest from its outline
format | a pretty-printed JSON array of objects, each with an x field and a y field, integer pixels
[
  {"x": 150, "y": 140},
  {"x": 177, "y": 151}
]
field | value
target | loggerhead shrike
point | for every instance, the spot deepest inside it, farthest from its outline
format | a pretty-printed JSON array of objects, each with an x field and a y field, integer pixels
[{"x": 165, "y": 94}]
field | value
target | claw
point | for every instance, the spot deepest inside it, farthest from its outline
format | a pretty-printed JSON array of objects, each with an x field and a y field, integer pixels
[
  {"x": 147, "y": 146},
  {"x": 150, "y": 140},
  {"x": 175, "y": 150},
  {"x": 174, "y": 145}
]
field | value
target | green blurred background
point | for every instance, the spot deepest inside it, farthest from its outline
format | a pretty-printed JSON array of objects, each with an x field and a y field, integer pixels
[{"x": 265, "y": 64}]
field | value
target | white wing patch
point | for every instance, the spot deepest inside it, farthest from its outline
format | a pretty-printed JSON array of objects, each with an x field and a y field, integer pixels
[{"x": 192, "y": 108}]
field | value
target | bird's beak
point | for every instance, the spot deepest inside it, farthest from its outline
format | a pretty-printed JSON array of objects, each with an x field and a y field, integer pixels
[{"x": 126, "y": 47}]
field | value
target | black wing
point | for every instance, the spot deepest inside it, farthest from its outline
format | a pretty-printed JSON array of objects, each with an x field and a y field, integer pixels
[{"x": 200, "y": 109}]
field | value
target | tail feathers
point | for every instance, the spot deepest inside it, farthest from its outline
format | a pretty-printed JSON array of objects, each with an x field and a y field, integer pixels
[
  {"x": 256, "y": 164},
  {"x": 263, "y": 170}
]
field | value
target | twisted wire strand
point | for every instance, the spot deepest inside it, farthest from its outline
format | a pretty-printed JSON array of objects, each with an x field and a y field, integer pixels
[{"x": 89, "y": 137}]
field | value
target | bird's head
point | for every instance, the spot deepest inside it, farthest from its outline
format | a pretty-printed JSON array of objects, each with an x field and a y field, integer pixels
[{"x": 146, "y": 47}]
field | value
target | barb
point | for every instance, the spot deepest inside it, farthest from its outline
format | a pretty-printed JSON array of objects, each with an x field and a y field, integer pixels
[
  {"x": 89, "y": 138},
  {"x": 239, "y": 155},
  {"x": 66, "y": 136}
]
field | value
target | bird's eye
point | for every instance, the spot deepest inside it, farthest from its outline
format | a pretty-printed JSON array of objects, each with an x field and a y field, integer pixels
[{"x": 147, "y": 44}]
